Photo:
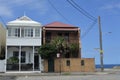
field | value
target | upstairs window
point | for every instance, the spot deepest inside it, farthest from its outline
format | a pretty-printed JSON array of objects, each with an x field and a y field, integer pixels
[
  {"x": 48, "y": 37},
  {"x": 66, "y": 36},
  {"x": 37, "y": 32},
  {"x": 27, "y": 32},
  {"x": 14, "y": 32}
]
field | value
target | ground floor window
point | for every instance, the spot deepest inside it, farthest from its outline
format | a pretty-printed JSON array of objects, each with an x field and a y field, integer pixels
[{"x": 22, "y": 59}]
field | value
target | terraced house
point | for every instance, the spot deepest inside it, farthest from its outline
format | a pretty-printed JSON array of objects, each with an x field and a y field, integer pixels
[
  {"x": 23, "y": 39},
  {"x": 68, "y": 58}
]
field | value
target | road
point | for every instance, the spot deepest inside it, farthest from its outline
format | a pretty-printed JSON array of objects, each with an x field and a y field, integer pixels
[
  {"x": 83, "y": 77},
  {"x": 111, "y": 75},
  {"x": 68, "y": 77}
]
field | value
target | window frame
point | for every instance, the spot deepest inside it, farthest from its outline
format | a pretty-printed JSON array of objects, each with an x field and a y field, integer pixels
[
  {"x": 23, "y": 57},
  {"x": 37, "y": 32}
]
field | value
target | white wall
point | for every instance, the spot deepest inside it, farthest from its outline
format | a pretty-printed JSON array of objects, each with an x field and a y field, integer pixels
[
  {"x": 24, "y": 41},
  {"x": 2, "y": 65}
]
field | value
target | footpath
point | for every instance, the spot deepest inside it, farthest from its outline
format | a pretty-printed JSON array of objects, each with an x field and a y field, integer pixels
[{"x": 97, "y": 72}]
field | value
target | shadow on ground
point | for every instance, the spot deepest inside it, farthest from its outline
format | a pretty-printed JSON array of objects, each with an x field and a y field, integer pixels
[{"x": 7, "y": 78}]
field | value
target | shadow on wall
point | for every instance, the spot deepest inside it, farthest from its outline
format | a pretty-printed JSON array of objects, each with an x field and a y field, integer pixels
[{"x": 2, "y": 53}]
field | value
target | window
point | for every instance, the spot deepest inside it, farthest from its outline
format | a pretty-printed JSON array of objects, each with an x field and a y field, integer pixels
[
  {"x": 16, "y": 54},
  {"x": 48, "y": 37},
  {"x": 68, "y": 63},
  {"x": 9, "y": 32},
  {"x": 23, "y": 55},
  {"x": 14, "y": 32},
  {"x": 59, "y": 34},
  {"x": 27, "y": 32},
  {"x": 22, "y": 32},
  {"x": 82, "y": 63},
  {"x": 66, "y": 36},
  {"x": 37, "y": 32}
]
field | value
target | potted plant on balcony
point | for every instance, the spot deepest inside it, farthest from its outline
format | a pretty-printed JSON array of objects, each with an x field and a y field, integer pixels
[{"x": 12, "y": 62}]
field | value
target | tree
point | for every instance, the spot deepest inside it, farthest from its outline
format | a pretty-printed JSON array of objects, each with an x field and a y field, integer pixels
[
  {"x": 74, "y": 48},
  {"x": 59, "y": 43},
  {"x": 47, "y": 50}
]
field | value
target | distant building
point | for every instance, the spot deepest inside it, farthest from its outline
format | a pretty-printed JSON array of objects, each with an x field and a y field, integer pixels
[
  {"x": 23, "y": 38},
  {"x": 68, "y": 61},
  {"x": 2, "y": 41}
]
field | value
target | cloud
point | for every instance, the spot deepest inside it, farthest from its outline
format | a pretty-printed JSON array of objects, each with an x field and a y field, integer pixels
[
  {"x": 111, "y": 6},
  {"x": 5, "y": 11},
  {"x": 41, "y": 6},
  {"x": 7, "y": 8}
]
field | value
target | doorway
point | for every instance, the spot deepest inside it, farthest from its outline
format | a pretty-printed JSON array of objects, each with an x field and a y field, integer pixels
[
  {"x": 50, "y": 65},
  {"x": 36, "y": 62}
]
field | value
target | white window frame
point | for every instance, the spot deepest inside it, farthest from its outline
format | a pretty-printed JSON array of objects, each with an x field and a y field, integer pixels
[
  {"x": 37, "y": 32},
  {"x": 14, "y": 32},
  {"x": 27, "y": 32}
]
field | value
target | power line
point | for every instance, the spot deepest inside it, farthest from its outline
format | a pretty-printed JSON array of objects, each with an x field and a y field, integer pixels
[
  {"x": 88, "y": 30},
  {"x": 84, "y": 10},
  {"x": 58, "y": 11},
  {"x": 85, "y": 13},
  {"x": 81, "y": 10}
]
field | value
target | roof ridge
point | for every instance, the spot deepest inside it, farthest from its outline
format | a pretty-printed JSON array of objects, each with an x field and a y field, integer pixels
[{"x": 24, "y": 18}]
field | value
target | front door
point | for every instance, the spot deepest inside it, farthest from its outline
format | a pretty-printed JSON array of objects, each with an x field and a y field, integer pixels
[
  {"x": 50, "y": 65},
  {"x": 36, "y": 62}
]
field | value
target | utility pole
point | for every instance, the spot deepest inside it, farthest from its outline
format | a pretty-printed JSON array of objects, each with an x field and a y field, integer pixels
[{"x": 100, "y": 39}]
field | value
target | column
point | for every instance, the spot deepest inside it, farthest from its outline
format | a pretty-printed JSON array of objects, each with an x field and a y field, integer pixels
[
  {"x": 40, "y": 64},
  {"x": 33, "y": 56},
  {"x": 79, "y": 54},
  {"x": 43, "y": 35},
  {"x": 19, "y": 58}
]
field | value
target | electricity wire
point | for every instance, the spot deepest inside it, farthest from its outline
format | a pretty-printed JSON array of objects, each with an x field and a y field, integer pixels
[
  {"x": 85, "y": 13},
  {"x": 58, "y": 11}
]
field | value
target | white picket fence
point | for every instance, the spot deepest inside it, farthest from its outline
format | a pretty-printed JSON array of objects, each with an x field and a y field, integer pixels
[{"x": 2, "y": 65}]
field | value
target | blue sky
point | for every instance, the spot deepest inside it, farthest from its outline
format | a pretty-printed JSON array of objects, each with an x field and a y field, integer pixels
[{"x": 41, "y": 11}]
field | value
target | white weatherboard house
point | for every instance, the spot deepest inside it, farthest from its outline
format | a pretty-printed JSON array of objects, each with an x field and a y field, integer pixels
[{"x": 23, "y": 39}]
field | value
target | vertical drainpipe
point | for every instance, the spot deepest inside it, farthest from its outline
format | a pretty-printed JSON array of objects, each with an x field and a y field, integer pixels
[{"x": 44, "y": 35}]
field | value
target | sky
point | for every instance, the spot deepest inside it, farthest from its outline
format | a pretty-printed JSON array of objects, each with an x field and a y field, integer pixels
[{"x": 43, "y": 12}]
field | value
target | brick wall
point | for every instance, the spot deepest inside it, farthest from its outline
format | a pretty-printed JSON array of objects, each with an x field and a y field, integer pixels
[{"x": 73, "y": 65}]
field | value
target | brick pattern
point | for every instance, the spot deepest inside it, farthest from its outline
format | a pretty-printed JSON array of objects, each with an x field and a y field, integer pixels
[{"x": 75, "y": 65}]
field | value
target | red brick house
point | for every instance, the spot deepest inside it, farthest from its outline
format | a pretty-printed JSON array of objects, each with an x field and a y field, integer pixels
[{"x": 69, "y": 61}]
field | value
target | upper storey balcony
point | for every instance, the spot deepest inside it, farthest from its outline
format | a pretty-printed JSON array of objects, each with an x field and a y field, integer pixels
[{"x": 23, "y": 31}]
